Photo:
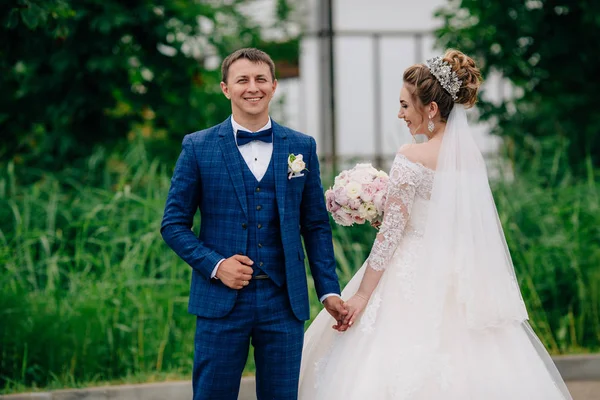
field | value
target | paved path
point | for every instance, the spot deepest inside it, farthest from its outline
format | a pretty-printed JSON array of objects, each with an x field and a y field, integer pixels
[
  {"x": 585, "y": 390},
  {"x": 582, "y": 373},
  {"x": 581, "y": 390}
]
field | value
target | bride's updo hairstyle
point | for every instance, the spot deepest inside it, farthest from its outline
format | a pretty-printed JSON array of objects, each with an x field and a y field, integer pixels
[{"x": 425, "y": 87}]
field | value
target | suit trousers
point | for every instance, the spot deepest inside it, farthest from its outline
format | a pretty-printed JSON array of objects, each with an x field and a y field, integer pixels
[{"x": 262, "y": 315}]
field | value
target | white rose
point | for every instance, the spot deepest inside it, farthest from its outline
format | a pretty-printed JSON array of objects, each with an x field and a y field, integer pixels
[
  {"x": 381, "y": 174},
  {"x": 363, "y": 166},
  {"x": 362, "y": 176},
  {"x": 367, "y": 211},
  {"x": 339, "y": 181},
  {"x": 353, "y": 190},
  {"x": 297, "y": 165}
]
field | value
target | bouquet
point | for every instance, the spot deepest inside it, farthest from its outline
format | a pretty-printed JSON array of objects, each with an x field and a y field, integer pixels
[{"x": 358, "y": 195}]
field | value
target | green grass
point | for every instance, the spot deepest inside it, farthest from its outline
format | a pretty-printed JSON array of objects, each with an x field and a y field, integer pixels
[
  {"x": 89, "y": 293},
  {"x": 553, "y": 232}
]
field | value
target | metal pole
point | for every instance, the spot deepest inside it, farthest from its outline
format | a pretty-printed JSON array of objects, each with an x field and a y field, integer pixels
[
  {"x": 327, "y": 84},
  {"x": 378, "y": 134},
  {"x": 332, "y": 85},
  {"x": 419, "y": 48}
]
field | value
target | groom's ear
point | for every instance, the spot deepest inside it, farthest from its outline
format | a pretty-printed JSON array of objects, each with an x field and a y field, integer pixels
[{"x": 225, "y": 90}]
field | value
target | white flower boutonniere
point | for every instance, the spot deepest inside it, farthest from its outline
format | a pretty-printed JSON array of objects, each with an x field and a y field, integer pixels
[{"x": 296, "y": 166}]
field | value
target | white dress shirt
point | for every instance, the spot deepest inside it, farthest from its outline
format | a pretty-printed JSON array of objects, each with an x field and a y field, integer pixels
[{"x": 257, "y": 155}]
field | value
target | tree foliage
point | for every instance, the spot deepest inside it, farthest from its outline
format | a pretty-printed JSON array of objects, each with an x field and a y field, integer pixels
[
  {"x": 548, "y": 50},
  {"x": 75, "y": 73}
]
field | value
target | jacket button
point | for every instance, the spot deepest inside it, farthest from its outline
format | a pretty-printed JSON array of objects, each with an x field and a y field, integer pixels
[
  {"x": 244, "y": 226},
  {"x": 258, "y": 207},
  {"x": 259, "y": 226},
  {"x": 260, "y": 245},
  {"x": 260, "y": 264}
]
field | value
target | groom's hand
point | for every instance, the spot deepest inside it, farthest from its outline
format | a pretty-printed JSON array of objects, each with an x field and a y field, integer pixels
[
  {"x": 335, "y": 306},
  {"x": 235, "y": 271}
]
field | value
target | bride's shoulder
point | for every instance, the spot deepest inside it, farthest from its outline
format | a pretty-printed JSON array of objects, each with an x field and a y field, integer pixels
[
  {"x": 411, "y": 152},
  {"x": 415, "y": 153}
]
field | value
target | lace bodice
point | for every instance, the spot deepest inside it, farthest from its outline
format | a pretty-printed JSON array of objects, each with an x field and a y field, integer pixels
[{"x": 409, "y": 187}]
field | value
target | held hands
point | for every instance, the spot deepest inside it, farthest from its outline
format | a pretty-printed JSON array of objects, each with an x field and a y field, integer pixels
[
  {"x": 235, "y": 271},
  {"x": 335, "y": 306},
  {"x": 355, "y": 306}
]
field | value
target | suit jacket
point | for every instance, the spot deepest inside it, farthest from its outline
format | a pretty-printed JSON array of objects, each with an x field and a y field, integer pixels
[{"x": 208, "y": 177}]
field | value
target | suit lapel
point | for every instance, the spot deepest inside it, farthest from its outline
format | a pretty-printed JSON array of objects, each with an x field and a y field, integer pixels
[
  {"x": 232, "y": 162},
  {"x": 280, "y": 154}
]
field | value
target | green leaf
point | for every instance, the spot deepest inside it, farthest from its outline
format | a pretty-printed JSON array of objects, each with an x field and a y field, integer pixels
[
  {"x": 13, "y": 19},
  {"x": 75, "y": 63},
  {"x": 32, "y": 15}
]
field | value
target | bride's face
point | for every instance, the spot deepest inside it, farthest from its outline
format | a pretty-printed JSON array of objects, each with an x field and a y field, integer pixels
[{"x": 410, "y": 113}]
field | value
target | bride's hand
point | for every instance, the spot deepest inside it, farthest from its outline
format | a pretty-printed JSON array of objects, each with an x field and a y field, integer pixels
[{"x": 355, "y": 306}]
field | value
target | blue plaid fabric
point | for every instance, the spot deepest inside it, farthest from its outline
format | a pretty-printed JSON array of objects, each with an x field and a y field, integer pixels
[
  {"x": 208, "y": 177},
  {"x": 261, "y": 312},
  {"x": 211, "y": 176},
  {"x": 264, "y": 243}
]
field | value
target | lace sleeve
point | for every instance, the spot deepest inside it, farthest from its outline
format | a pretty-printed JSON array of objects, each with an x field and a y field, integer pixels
[{"x": 404, "y": 177}]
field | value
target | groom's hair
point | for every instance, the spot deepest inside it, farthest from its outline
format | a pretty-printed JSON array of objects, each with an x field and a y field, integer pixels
[{"x": 252, "y": 54}]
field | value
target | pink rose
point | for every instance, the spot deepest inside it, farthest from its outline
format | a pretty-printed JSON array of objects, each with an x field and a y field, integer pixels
[
  {"x": 340, "y": 196},
  {"x": 358, "y": 219},
  {"x": 332, "y": 205},
  {"x": 354, "y": 203},
  {"x": 341, "y": 217},
  {"x": 368, "y": 192},
  {"x": 379, "y": 201},
  {"x": 380, "y": 183},
  {"x": 362, "y": 176}
]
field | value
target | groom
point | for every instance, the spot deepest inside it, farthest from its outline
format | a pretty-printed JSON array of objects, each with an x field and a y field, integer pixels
[{"x": 248, "y": 274}]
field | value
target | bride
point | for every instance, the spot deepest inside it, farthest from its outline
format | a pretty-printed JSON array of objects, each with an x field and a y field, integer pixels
[{"x": 435, "y": 312}]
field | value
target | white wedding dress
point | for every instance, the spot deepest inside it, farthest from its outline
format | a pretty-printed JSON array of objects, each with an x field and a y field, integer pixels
[{"x": 398, "y": 349}]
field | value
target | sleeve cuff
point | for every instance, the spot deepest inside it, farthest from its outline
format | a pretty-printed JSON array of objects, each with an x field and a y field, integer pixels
[
  {"x": 213, "y": 275},
  {"x": 322, "y": 299}
]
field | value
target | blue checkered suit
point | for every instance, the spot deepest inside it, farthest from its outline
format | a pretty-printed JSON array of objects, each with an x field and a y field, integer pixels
[{"x": 208, "y": 176}]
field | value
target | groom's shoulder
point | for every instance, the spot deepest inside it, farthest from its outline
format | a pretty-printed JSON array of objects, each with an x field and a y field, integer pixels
[
  {"x": 297, "y": 136},
  {"x": 205, "y": 134}
]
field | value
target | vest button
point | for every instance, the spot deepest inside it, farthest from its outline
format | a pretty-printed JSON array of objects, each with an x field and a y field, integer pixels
[
  {"x": 260, "y": 245},
  {"x": 258, "y": 189},
  {"x": 258, "y": 207},
  {"x": 260, "y": 264},
  {"x": 244, "y": 225},
  {"x": 259, "y": 226}
]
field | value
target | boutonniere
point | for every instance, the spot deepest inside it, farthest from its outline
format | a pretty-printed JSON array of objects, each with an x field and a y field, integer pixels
[{"x": 296, "y": 166}]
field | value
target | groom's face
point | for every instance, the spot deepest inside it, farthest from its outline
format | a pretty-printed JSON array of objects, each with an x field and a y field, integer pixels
[{"x": 250, "y": 87}]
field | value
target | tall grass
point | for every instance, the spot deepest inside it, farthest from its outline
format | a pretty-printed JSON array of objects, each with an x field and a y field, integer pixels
[
  {"x": 89, "y": 292},
  {"x": 553, "y": 232}
]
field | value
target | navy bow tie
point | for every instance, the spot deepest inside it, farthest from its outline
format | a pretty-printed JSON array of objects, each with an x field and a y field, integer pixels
[{"x": 244, "y": 137}]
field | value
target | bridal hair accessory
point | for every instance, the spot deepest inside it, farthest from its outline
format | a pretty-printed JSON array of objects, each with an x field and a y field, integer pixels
[{"x": 445, "y": 76}]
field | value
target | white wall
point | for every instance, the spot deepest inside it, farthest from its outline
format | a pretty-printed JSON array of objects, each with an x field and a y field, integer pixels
[
  {"x": 404, "y": 15},
  {"x": 366, "y": 91},
  {"x": 284, "y": 106},
  {"x": 357, "y": 114}
]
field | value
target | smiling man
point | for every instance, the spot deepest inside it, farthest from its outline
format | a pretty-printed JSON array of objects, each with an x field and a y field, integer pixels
[{"x": 248, "y": 274}]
